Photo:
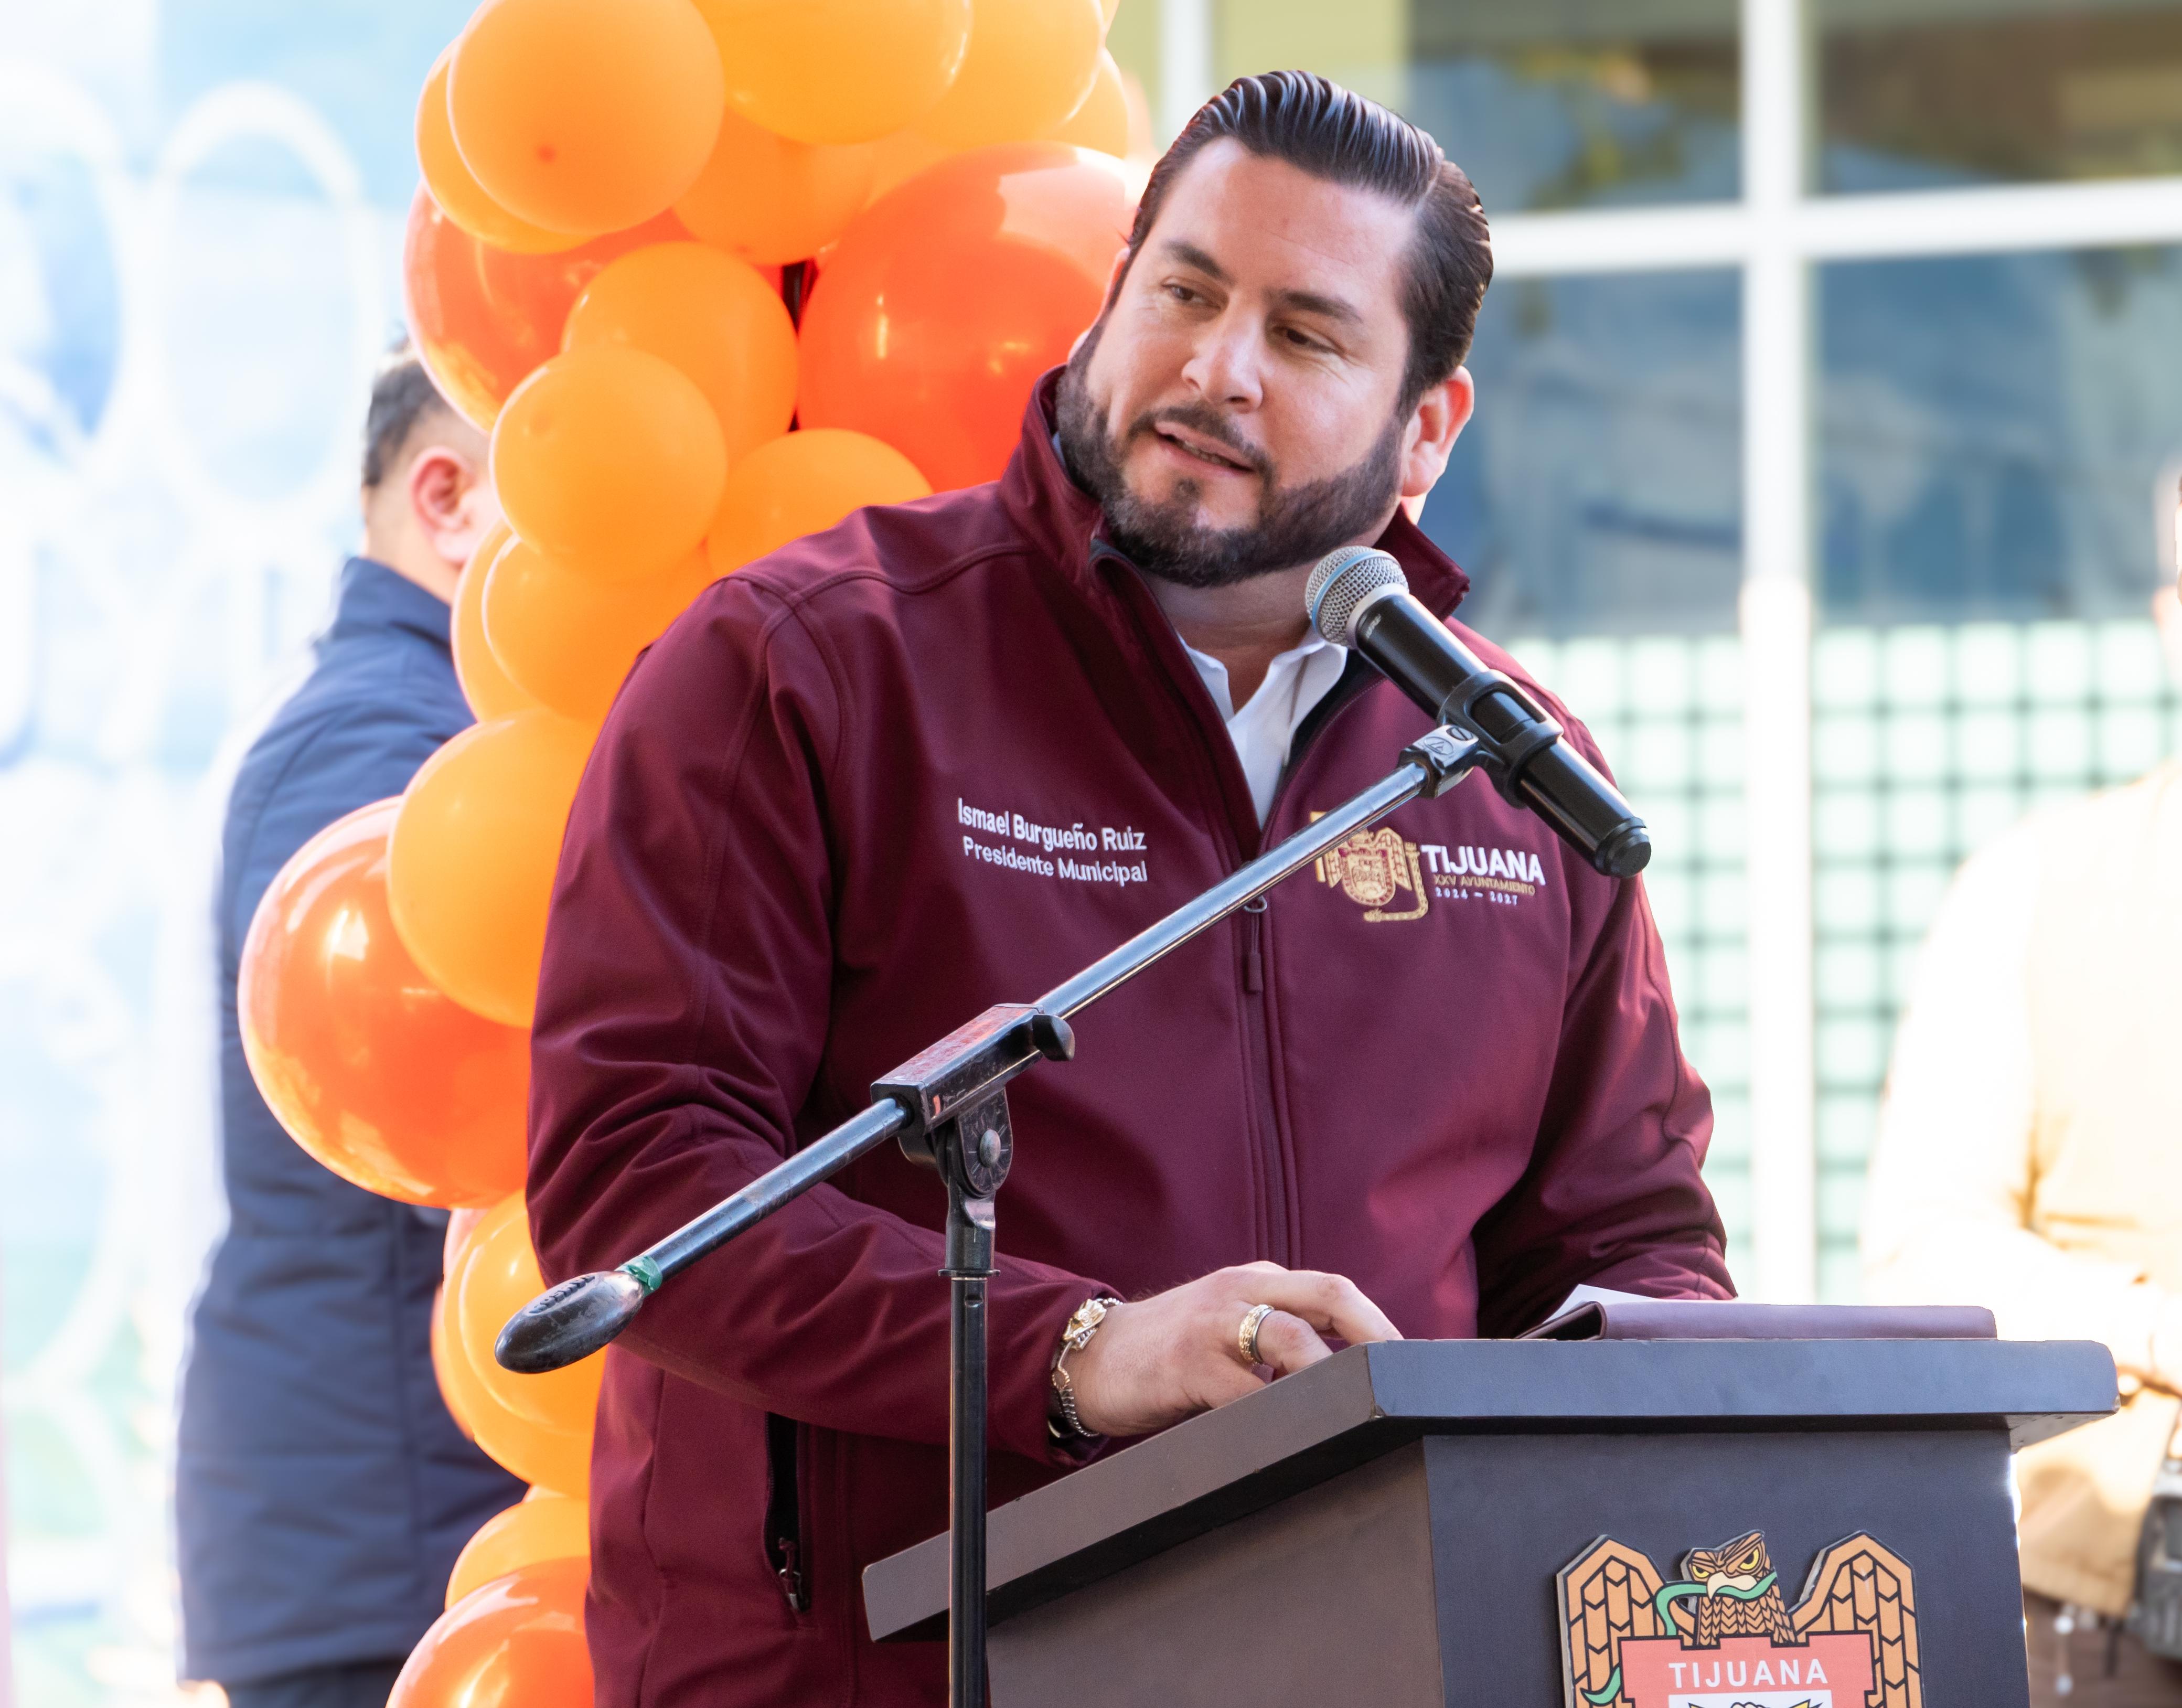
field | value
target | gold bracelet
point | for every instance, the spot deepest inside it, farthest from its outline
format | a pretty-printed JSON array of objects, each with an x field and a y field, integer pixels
[{"x": 1074, "y": 1339}]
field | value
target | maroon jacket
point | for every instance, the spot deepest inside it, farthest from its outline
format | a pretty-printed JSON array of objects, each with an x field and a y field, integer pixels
[{"x": 942, "y": 757}]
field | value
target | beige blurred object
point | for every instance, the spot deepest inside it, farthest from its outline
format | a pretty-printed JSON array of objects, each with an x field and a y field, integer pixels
[
  {"x": 2084, "y": 1509},
  {"x": 2027, "y": 1157}
]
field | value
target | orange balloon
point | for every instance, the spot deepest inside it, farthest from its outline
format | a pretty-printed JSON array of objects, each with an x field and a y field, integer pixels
[
  {"x": 948, "y": 298},
  {"x": 838, "y": 70},
  {"x": 1102, "y": 122},
  {"x": 472, "y": 858},
  {"x": 370, "y": 1068},
  {"x": 609, "y": 457},
  {"x": 459, "y": 1223},
  {"x": 570, "y": 639},
  {"x": 448, "y": 1388},
  {"x": 460, "y": 197},
  {"x": 714, "y": 318},
  {"x": 901, "y": 157},
  {"x": 491, "y": 690},
  {"x": 552, "y": 1458},
  {"x": 484, "y": 317},
  {"x": 517, "y": 1642},
  {"x": 496, "y": 1275},
  {"x": 541, "y": 1526},
  {"x": 1030, "y": 64},
  {"x": 767, "y": 199},
  {"x": 800, "y": 484},
  {"x": 582, "y": 117},
  {"x": 1108, "y": 8}
]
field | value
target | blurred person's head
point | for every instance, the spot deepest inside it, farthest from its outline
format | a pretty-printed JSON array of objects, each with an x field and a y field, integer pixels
[
  {"x": 428, "y": 497},
  {"x": 1279, "y": 360}
]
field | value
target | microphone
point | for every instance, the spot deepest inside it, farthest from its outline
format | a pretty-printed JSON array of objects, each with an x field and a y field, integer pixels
[{"x": 1358, "y": 597}]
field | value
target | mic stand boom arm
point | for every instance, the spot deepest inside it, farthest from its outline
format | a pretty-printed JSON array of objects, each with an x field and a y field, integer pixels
[{"x": 947, "y": 1108}]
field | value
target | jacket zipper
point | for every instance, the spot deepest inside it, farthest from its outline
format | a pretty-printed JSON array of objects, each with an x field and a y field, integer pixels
[
  {"x": 1266, "y": 1113},
  {"x": 1269, "y": 1137},
  {"x": 783, "y": 1510},
  {"x": 1259, "y": 999}
]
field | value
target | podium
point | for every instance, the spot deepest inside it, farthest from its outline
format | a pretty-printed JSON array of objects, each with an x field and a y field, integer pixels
[{"x": 1513, "y": 1524}]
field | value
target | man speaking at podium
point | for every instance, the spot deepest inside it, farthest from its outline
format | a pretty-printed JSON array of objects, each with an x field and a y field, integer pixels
[{"x": 945, "y": 755}]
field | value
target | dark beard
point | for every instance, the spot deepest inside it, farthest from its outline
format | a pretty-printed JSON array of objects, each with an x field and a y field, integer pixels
[{"x": 1295, "y": 526}]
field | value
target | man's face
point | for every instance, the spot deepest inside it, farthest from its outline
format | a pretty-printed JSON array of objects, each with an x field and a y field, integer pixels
[{"x": 1234, "y": 412}]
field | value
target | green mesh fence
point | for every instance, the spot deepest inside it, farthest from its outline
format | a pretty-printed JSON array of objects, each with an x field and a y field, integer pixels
[
  {"x": 1926, "y": 742},
  {"x": 1668, "y": 711}
]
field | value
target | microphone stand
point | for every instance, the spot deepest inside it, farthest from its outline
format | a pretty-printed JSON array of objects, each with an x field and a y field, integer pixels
[{"x": 947, "y": 1108}]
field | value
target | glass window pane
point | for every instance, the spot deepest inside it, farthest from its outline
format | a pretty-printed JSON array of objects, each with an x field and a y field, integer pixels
[
  {"x": 1993, "y": 433},
  {"x": 1916, "y": 93},
  {"x": 1598, "y": 490},
  {"x": 1596, "y": 500},
  {"x": 1555, "y": 103}
]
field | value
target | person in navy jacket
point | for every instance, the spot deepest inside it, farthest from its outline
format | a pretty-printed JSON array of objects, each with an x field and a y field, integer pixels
[{"x": 322, "y": 1490}]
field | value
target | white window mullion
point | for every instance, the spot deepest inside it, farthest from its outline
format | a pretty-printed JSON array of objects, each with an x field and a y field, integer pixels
[
  {"x": 1619, "y": 239},
  {"x": 1776, "y": 636},
  {"x": 1991, "y": 219}
]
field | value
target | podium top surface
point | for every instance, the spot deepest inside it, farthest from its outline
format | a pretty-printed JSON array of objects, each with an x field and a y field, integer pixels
[{"x": 1367, "y": 1400}]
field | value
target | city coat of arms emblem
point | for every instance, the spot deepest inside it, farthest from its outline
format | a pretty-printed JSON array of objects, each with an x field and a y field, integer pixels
[
  {"x": 1371, "y": 868},
  {"x": 1722, "y": 1635}
]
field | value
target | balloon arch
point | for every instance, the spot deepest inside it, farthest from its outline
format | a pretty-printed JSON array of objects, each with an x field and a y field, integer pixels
[{"x": 713, "y": 274}]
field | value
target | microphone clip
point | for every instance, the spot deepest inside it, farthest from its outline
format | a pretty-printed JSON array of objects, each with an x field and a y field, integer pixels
[
  {"x": 956, "y": 1093},
  {"x": 1505, "y": 762},
  {"x": 1446, "y": 755}
]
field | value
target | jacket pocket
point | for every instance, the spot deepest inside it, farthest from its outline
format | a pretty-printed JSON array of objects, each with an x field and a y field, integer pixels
[{"x": 786, "y": 1533}]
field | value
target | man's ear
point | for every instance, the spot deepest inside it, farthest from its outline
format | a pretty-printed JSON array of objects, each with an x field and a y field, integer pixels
[
  {"x": 1435, "y": 425},
  {"x": 1114, "y": 274},
  {"x": 451, "y": 499},
  {"x": 1113, "y": 290}
]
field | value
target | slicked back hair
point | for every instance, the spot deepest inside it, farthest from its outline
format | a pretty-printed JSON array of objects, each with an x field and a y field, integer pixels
[
  {"x": 1318, "y": 127},
  {"x": 402, "y": 396}
]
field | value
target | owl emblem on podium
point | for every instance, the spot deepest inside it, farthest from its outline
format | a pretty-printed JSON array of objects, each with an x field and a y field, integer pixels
[
  {"x": 1722, "y": 1635},
  {"x": 1741, "y": 1596}
]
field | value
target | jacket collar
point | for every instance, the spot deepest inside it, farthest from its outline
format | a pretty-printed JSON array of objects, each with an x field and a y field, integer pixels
[
  {"x": 1066, "y": 523},
  {"x": 372, "y": 596}
]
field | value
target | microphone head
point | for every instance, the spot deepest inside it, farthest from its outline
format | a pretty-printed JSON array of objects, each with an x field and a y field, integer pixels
[{"x": 1343, "y": 585}]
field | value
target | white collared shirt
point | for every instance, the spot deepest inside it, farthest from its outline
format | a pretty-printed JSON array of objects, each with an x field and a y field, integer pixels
[{"x": 1264, "y": 729}]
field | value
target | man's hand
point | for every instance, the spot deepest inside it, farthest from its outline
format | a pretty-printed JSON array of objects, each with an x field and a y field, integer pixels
[{"x": 1172, "y": 1355}]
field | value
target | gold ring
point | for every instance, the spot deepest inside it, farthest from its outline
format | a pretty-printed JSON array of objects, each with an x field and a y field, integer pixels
[{"x": 1246, "y": 1337}]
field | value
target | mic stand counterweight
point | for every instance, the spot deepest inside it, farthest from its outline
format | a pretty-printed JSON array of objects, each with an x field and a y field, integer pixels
[{"x": 948, "y": 1107}]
